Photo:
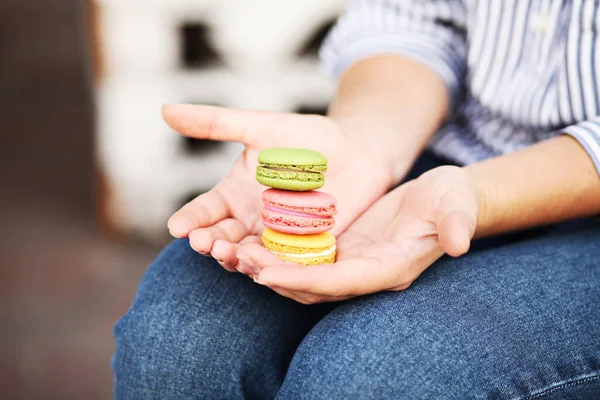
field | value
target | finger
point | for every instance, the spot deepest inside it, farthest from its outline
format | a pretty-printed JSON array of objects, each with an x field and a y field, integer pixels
[
  {"x": 250, "y": 239},
  {"x": 324, "y": 279},
  {"x": 254, "y": 258},
  {"x": 246, "y": 254},
  {"x": 456, "y": 222},
  {"x": 312, "y": 284},
  {"x": 455, "y": 231},
  {"x": 353, "y": 277},
  {"x": 224, "y": 253},
  {"x": 292, "y": 295},
  {"x": 308, "y": 298},
  {"x": 241, "y": 267},
  {"x": 305, "y": 297},
  {"x": 230, "y": 230},
  {"x": 217, "y": 123},
  {"x": 205, "y": 210}
]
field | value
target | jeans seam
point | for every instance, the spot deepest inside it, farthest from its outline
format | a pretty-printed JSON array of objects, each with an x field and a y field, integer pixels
[{"x": 562, "y": 385}]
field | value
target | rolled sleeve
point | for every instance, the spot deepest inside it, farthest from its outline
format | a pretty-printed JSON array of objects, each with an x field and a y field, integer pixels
[
  {"x": 588, "y": 134},
  {"x": 431, "y": 33}
]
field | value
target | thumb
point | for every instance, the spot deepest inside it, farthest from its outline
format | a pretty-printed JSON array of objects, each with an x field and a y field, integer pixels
[
  {"x": 217, "y": 123},
  {"x": 457, "y": 219}
]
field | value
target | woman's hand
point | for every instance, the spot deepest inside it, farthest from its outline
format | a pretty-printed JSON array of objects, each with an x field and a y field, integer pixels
[
  {"x": 388, "y": 247},
  {"x": 229, "y": 214}
]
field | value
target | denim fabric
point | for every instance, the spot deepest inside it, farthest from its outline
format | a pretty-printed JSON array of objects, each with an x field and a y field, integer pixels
[
  {"x": 516, "y": 318},
  {"x": 516, "y": 321}
]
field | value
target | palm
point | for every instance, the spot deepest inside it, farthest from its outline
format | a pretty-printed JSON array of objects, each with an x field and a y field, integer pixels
[
  {"x": 230, "y": 213},
  {"x": 396, "y": 231},
  {"x": 389, "y": 246}
]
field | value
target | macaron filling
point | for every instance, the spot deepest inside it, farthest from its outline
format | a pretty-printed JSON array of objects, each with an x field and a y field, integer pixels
[
  {"x": 289, "y": 179},
  {"x": 294, "y": 213},
  {"x": 324, "y": 253},
  {"x": 305, "y": 250},
  {"x": 289, "y": 169},
  {"x": 315, "y": 168}
]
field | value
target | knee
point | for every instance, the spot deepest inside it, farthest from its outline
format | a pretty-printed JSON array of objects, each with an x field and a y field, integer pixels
[
  {"x": 195, "y": 330},
  {"x": 153, "y": 355},
  {"x": 164, "y": 342},
  {"x": 380, "y": 349}
]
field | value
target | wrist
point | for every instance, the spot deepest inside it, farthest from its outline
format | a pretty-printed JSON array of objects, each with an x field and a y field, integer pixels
[
  {"x": 536, "y": 186},
  {"x": 392, "y": 106},
  {"x": 384, "y": 144},
  {"x": 485, "y": 193}
]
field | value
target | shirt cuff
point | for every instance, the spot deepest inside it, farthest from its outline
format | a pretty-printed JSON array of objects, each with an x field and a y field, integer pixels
[
  {"x": 588, "y": 134},
  {"x": 449, "y": 66}
]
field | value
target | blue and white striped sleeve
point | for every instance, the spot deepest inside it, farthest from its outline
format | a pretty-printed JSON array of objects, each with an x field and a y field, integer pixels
[
  {"x": 427, "y": 31},
  {"x": 588, "y": 134}
]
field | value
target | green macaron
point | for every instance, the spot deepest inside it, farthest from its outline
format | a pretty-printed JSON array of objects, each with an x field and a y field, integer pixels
[{"x": 291, "y": 169}]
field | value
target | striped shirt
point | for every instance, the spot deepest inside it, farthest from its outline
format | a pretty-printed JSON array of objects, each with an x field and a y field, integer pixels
[{"x": 518, "y": 71}]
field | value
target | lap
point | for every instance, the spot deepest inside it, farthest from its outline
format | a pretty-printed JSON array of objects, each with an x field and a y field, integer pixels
[
  {"x": 514, "y": 317},
  {"x": 195, "y": 329},
  {"x": 506, "y": 321}
]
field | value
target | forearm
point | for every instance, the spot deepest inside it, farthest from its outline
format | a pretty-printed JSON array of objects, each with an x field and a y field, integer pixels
[
  {"x": 392, "y": 105},
  {"x": 546, "y": 183}
]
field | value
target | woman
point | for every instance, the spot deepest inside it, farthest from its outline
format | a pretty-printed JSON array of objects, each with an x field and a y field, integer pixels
[{"x": 400, "y": 314}]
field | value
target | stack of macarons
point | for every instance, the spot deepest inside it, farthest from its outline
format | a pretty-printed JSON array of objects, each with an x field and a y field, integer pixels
[{"x": 296, "y": 216}]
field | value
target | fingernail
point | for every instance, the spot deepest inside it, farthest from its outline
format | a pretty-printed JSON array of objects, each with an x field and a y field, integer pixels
[
  {"x": 221, "y": 262},
  {"x": 247, "y": 263},
  {"x": 244, "y": 259},
  {"x": 204, "y": 253},
  {"x": 253, "y": 271},
  {"x": 256, "y": 280},
  {"x": 241, "y": 269}
]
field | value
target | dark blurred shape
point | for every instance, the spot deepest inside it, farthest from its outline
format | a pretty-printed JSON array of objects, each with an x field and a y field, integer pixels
[
  {"x": 62, "y": 285},
  {"x": 311, "y": 109},
  {"x": 190, "y": 197},
  {"x": 197, "y": 50},
  {"x": 200, "y": 147},
  {"x": 46, "y": 105},
  {"x": 313, "y": 44},
  {"x": 450, "y": 24}
]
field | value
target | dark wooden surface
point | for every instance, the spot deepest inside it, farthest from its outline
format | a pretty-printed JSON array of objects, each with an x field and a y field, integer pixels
[
  {"x": 62, "y": 285},
  {"x": 46, "y": 102}
]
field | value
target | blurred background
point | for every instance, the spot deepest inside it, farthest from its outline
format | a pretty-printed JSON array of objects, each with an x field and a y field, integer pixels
[{"x": 89, "y": 173}]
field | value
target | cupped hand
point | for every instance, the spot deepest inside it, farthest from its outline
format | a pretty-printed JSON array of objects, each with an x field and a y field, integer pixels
[
  {"x": 388, "y": 247},
  {"x": 218, "y": 221}
]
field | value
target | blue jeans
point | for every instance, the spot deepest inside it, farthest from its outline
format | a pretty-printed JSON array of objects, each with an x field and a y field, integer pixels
[{"x": 518, "y": 317}]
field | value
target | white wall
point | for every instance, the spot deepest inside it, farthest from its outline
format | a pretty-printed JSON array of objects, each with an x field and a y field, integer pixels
[{"x": 147, "y": 167}]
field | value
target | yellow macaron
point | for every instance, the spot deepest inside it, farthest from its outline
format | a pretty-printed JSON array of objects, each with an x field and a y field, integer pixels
[{"x": 301, "y": 249}]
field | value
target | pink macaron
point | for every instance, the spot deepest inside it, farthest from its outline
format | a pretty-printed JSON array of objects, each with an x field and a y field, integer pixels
[{"x": 299, "y": 213}]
